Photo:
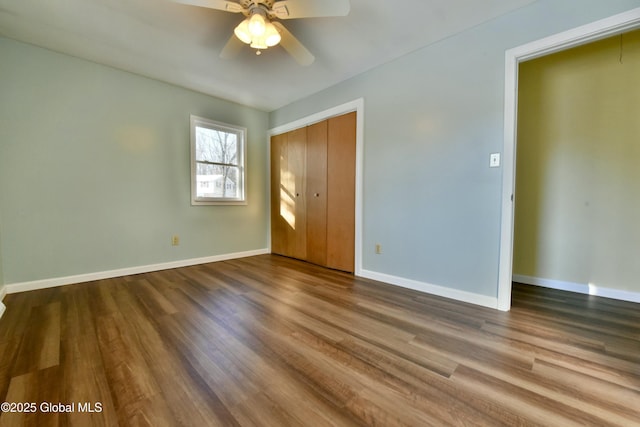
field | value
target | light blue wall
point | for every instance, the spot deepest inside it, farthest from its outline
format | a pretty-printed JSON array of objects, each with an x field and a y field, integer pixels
[
  {"x": 431, "y": 120},
  {"x": 94, "y": 170}
]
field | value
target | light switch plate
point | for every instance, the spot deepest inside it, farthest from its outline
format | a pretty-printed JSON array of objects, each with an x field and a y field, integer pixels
[{"x": 494, "y": 160}]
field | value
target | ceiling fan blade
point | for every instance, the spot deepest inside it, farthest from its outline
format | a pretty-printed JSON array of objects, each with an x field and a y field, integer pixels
[
  {"x": 291, "y": 9},
  {"x": 232, "y": 48},
  {"x": 228, "y": 6},
  {"x": 293, "y": 46}
]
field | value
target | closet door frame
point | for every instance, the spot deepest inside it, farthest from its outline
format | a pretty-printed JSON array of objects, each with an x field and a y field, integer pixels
[{"x": 357, "y": 106}]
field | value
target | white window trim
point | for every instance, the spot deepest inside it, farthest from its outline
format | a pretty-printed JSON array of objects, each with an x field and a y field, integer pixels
[{"x": 196, "y": 121}]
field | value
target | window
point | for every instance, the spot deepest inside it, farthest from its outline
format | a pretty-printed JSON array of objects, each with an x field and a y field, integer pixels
[{"x": 217, "y": 163}]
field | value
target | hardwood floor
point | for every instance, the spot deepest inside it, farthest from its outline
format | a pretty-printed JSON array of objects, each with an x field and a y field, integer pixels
[{"x": 270, "y": 341}]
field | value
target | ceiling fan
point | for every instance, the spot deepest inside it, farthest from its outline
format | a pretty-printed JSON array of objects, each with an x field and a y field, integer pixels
[{"x": 261, "y": 29}]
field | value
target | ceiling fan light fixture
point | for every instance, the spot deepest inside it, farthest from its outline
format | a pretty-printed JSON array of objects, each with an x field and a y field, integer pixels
[
  {"x": 258, "y": 32},
  {"x": 257, "y": 25},
  {"x": 242, "y": 32},
  {"x": 271, "y": 36},
  {"x": 259, "y": 43}
]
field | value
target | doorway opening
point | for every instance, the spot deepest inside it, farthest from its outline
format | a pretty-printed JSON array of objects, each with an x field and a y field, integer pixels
[{"x": 598, "y": 30}]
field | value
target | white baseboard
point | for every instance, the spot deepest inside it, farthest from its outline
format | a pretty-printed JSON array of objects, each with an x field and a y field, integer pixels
[
  {"x": 581, "y": 288},
  {"x": 3, "y": 292},
  {"x": 455, "y": 294},
  {"x": 80, "y": 278}
]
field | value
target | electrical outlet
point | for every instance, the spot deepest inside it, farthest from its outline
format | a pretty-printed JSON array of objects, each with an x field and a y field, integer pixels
[
  {"x": 378, "y": 248},
  {"x": 175, "y": 240}
]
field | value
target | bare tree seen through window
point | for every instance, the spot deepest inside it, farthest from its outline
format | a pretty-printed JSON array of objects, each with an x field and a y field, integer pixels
[{"x": 217, "y": 163}]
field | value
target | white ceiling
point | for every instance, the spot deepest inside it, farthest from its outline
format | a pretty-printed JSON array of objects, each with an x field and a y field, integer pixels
[{"x": 180, "y": 44}]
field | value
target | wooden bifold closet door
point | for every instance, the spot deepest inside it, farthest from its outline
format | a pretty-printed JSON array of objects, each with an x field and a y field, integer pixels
[{"x": 313, "y": 193}]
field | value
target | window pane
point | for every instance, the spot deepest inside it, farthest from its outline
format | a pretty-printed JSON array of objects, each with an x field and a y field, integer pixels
[
  {"x": 216, "y": 146},
  {"x": 217, "y": 181},
  {"x": 217, "y": 162}
]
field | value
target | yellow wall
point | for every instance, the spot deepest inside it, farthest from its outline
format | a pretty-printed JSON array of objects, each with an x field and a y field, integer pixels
[{"x": 577, "y": 215}]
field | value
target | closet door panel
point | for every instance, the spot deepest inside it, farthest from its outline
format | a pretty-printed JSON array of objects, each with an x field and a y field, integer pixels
[
  {"x": 279, "y": 207},
  {"x": 317, "y": 193},
  {"x": 341, "y": 184},
  {"x": 295, "y": 193}
]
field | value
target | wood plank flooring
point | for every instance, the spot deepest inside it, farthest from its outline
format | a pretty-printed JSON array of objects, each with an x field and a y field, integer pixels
[{"x": 270, "y": 341}]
